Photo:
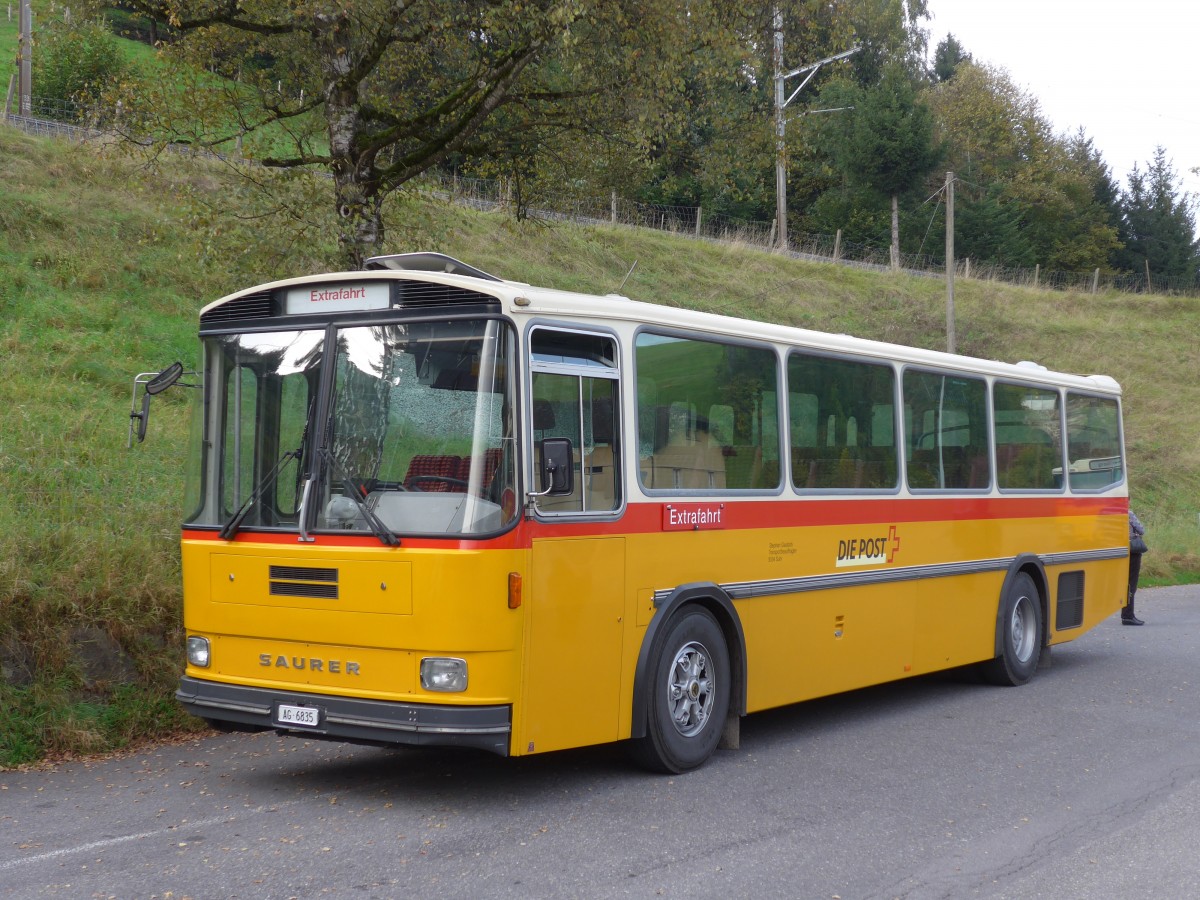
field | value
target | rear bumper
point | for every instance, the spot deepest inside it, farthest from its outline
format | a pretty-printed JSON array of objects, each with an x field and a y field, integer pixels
[{"x": 347, "y": 719}]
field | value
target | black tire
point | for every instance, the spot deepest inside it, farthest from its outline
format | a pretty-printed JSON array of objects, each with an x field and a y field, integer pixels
[
  {"x": 689, "y": 688},
  {"x": 1022, "y": 634}
]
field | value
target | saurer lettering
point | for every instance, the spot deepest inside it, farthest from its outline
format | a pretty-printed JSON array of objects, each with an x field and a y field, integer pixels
[{"x": 312, "y": 664}]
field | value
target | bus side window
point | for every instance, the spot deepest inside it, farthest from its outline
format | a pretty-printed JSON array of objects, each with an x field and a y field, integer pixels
[
  {"x": 1093, "y": 442},
  {"x": 843, "y": 434},
  {"x": 1028, "y": 428},
  {"x": 575, "y": 396},
  {"x": 947, "y": 426},
  {"x": 707, "y": 415}
]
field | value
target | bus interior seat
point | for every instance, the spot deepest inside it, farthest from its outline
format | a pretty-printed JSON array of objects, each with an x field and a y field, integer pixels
[
  {"x": 427, "y": 470},
  {"x": 600, "y": 466},
  {"x": 697, "y": 465},
  {"x": 1029, "y": 465},
  {"x": 744, "y": 466},
  {"x": 961, "y": 467}
]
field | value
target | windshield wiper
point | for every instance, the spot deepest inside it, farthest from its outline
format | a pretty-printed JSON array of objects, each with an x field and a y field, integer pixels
[
  {"x": 229, "y": 529},
  {"x": 378, "y": 529}
]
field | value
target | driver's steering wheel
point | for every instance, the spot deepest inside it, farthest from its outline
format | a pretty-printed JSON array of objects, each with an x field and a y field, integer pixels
[{"x": 414, "y": 482}]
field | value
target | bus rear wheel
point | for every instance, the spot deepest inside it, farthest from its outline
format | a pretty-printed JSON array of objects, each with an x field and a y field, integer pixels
[
  {"x": 689, "y": 688},
  {"x": 1021, "y": 634}
]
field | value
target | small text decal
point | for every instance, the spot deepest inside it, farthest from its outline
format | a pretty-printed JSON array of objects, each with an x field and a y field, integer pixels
[{"x": 693, "y": 516}]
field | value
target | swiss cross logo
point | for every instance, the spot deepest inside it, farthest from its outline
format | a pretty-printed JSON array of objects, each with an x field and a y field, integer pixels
[{"x": 869, "y": 548}]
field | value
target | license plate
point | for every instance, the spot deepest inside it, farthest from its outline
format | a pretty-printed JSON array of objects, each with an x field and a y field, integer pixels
[{"x": 298, "y": 716}]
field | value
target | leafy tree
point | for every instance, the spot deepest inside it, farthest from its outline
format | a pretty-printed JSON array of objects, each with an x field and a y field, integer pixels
[
  {"x": 378, "y": 92},
  {"x": 947, "y": 56},
  {"x": 76, "y": 63},
  {"x": 890, "y": 34},
  {"x": 1159, "y": 223},
  {"x": 724, "y": 157},
  {"x": 1000, "y": 145}
]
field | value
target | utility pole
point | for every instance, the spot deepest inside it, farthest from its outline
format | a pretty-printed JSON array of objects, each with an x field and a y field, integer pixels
[
  {"x": 25, "y": 66},
  {"x": 950, "y": 262},
  {"x": 781, "y": 78}
]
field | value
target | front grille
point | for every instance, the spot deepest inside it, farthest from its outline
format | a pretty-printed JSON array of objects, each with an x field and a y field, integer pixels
[
  {"x": 304, "y": 573},
  {"x": 302, "y": 581}
]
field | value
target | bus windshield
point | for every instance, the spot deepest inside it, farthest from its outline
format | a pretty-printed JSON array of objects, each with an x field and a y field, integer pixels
[{"x": 417, "y": 436}]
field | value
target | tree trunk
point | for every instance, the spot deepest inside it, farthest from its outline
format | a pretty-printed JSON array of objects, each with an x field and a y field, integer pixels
[
  {"x": 355, "y": 186},
  {"x": 895, "y": 232}
]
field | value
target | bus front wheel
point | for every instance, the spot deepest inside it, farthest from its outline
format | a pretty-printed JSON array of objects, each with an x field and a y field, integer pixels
[
  {"x": 1021, "y": 634},
  {"x": 688, "y": 698}
]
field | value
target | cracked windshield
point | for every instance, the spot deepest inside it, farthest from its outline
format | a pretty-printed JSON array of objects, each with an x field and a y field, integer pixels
[{"x": 420, "y": 439}]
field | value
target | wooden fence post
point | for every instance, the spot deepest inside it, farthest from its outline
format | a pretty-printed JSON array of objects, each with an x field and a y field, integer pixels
[
  {"x": 837, "y": 245},
  {"x": 1096, "y": 280}
]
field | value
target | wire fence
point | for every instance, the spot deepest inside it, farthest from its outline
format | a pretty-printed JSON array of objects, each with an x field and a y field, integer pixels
[
  {"x": 691, "y": 221},
  {"x": 55, "y": 119}
]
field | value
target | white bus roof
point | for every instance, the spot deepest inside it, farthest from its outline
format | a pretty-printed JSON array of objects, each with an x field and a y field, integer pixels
[{"x": 525, "y": 301}]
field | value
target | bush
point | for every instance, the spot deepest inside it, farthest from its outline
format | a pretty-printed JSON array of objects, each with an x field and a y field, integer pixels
[{"x": 76, "y": 64}]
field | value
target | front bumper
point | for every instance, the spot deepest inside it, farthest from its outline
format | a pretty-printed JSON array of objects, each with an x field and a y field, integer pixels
[{"x": 347, "y": 719}]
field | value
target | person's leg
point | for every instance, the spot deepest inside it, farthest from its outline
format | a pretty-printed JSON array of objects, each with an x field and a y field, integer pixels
[{"x": 1135, "y": 568}]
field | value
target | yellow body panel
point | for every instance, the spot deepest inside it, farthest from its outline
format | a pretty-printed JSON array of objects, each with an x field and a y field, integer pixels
[
  {"x": 565, "y": 659},
  {"x": 573, "y": 681},
  {"x": 394, "y": 607}
]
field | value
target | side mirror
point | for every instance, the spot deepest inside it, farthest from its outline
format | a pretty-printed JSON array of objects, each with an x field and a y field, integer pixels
[
  {"x": 154, "y": 384},
  {"x": 558, "y": 467},
  {"x": 164, "y": 379},
  {"x": 143, "y": 418}
]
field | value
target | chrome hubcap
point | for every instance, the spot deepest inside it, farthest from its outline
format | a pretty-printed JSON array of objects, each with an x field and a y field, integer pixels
[
  {"x": 1023, "y": 629},
  {"x": 691, "y": 686}
]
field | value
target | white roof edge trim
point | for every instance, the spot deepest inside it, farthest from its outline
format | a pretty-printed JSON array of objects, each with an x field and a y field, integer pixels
[
  {"x": 510, "y": 288},
  {"x": 1105, "y": 381}
]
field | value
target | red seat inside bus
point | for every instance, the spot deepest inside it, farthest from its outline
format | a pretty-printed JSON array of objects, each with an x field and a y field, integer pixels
[{"x": 429, "y": 470}]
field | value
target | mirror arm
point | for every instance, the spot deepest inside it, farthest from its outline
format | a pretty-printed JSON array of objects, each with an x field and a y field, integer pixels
[{"x": 533, "y": 495}]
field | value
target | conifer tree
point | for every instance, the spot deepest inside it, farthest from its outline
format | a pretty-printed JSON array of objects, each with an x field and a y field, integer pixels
[{"x": 1158, "y": 226}]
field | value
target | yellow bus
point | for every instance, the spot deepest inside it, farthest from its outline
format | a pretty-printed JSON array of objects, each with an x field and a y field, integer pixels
[{"x": 427, "y": 506}]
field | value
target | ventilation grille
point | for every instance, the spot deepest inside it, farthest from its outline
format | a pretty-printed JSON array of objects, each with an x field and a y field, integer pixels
[
  {"x": 1069, "y": 612},
  {"x": 297, "y": 581},
  {"x": 252, "y": 306},
  {"x": 427, "y": 293}
]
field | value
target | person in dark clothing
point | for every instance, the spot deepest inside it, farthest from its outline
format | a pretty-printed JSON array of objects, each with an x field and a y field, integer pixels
[{"x": 1137, "y": 546}]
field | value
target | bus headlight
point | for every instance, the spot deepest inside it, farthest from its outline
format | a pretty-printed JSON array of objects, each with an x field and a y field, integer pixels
[
  {"x": 198, "y": 652},
  {"x": 445, "y": 674}
]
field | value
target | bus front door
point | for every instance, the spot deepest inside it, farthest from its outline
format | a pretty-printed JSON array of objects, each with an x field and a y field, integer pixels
[{"x": 572, "y": 690}]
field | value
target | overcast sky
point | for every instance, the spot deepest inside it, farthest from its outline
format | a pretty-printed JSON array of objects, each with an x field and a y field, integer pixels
[{"x": 1128, "y": 72}]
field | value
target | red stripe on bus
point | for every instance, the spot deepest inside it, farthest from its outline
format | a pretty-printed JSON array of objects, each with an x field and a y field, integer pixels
[{"x": 646, "y": 517}]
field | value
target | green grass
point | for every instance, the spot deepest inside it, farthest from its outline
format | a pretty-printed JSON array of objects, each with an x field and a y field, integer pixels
[
  {"x": 105, "y": 262},
  {"x": 148, "y": 69}
]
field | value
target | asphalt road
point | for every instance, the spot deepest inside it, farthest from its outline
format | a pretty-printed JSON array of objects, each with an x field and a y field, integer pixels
[{"x": 1085, "y": 783}]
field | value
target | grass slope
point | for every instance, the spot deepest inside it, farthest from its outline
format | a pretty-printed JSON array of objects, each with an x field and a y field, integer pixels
[{"x": 105, "y": 262}]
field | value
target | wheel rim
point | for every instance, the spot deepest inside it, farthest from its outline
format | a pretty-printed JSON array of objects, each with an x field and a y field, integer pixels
[
  {"x": 1023, "y": 628},
  {"x": 691, "y": 688}
]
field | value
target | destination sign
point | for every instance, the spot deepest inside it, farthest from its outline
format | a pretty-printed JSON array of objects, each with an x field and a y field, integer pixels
[{"x": 330, "y": 298}]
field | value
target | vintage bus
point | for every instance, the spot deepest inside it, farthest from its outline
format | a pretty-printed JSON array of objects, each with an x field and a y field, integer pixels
[{"x": 428, "y": 506}]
